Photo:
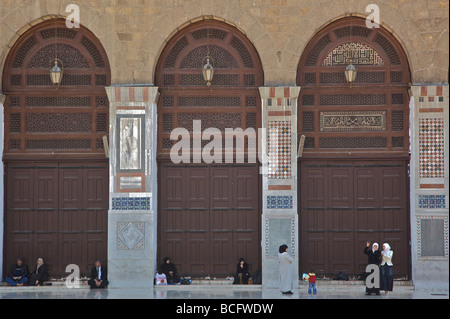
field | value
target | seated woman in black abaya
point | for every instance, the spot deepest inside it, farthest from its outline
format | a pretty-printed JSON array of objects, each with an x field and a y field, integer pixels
[
  {"x": 242, "y": 274},
  {"x": 169, "y": 269}
]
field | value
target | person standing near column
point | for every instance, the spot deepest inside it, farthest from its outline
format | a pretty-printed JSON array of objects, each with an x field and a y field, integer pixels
[
  {"x": 374, "y": 258},
  {"x": 286, "y": 270}
]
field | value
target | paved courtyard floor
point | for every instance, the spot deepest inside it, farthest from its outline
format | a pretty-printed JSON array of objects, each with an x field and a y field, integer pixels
[
  {"x": 227, "y": 302},
  {"x": 205, "y": 292}
]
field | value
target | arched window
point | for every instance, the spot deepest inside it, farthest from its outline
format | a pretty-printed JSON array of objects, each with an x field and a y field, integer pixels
[
  {"x": 44, "y": 119},
  {"x": 232, "y": 100},
  {"x": 372, "y": 114}
]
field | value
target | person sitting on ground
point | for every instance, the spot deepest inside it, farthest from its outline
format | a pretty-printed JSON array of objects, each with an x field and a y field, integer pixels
[
  {"x": 169, "y": 269},
  {"x": 18, "y": 274},
  {"x": 99, "y": 276},
  {"x": 39, "y": 275},
  {"x": 242, "y": 274}
]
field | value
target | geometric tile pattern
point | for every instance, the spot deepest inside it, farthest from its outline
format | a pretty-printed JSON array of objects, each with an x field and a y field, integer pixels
[
  {"x": 279, "y": 202},
  {"x": 431, "y": 148},
  {"x": 131, "y": 203},
  {"x": 279, "y": 149},
  {"x": 431, "y": 201},
  {"x": 130, "y": 235},
  {"x": 291, "y": 231}
]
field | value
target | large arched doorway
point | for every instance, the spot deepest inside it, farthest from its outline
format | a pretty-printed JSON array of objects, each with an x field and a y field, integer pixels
[
  {"x": 56, "y": 194},
  {"x": 354, "y": 170},
  {"x": 208, "y": 214}
]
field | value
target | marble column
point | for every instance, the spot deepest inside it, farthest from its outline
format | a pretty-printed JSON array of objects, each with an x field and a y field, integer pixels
[
  {"x": 429, "y": 175},
  {"x": 279, "y": 214},
  {"x": 132, "y": 186}
]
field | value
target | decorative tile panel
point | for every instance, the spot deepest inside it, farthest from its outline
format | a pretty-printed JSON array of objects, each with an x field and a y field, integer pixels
[
  {"x": 130, "y": 235},
  {"x": 279, "y": 202},
  {"x": 279, "y": 149},
  {"x": 131, "y": 203},
  {"x": 431, "y": 201},
  {"x": 431, "y": 147}
]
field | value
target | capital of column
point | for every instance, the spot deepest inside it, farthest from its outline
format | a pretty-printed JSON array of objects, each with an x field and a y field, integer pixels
[
  {"x": 279, "y": 92},
  {"x": 132, "y": 94},
  {"x": 2, "y": 98}
]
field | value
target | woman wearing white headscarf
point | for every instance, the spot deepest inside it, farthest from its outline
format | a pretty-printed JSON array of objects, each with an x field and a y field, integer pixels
[
  {"x": 39, "y": 275},
  {"x": 374, "y": 258},
  {"x": 387, "y": 279}
]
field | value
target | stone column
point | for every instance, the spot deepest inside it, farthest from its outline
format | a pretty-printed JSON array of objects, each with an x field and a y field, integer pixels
[
  {"x": 429, "y": 175},
  {"x": 279, "y": 218},
  {"x": 2, "y": 176},
  {"x": 132, "y": 186}
]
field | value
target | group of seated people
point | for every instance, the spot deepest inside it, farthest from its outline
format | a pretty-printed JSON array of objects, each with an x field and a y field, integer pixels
[
  {"x": 167, "y": 274},
  {"x": 19, "y": 275}
]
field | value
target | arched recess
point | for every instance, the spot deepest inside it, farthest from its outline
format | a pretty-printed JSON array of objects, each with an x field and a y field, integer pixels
[
  {"x": 56, "y": 179},
  {"x": 354, "y": 171},
  {"x": 209, "y": 214}
]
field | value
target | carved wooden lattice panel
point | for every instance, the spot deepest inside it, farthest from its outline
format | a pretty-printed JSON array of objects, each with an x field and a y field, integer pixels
[
  {"x": 45, "y": 119},
  {"x": 231, "y": 101},
  {"x": 369, "y": 116},
  {"x": 56, "y": 169},
  {"x": 353, "y": 172}
]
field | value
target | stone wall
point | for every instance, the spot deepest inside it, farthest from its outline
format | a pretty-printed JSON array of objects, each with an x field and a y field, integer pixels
[{"x": 134, "y": 32}]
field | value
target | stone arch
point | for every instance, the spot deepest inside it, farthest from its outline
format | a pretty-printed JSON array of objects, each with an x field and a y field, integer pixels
[
  {"x": 53, "y": 147},
  {"x": 177, "y": 29},
  {"x": 219, "y": 224},
  {"x": 357, "y": 143}
]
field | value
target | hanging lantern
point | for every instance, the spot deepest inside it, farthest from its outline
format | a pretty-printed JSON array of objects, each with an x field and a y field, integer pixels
[
  {"x": 56, "y": 72},
  {"x": 350, "y": 74},
  {"x": 208, "y": 71}
]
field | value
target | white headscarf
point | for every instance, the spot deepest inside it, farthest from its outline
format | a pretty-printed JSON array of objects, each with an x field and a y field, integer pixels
[
  {"x": 373, "y": 249},
  {"x": 39, "y": 265},
  {"x": 387, "y": 248}
]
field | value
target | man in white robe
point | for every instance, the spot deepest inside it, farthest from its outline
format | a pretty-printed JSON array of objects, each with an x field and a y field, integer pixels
[{"x": 286, "y": 270}]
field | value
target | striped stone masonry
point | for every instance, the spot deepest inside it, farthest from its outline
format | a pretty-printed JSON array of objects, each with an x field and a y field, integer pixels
[
  {"x": 279, "y": 175},
  {"x": 429, "y": 178}
]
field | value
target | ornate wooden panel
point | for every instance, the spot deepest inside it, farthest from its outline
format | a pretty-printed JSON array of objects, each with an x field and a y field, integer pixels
[
  {"x": 57, "y": 211},
  {"x": 371, "y": 116},
  {"x": 209, "y": 217},
  {"x": 346, "y": 196},
  {"x": 346, "y": 203},
  {"x": 56, "y": 172},
  {"x": 231, "y": 101},
  {"x": 45, "y": 119}
]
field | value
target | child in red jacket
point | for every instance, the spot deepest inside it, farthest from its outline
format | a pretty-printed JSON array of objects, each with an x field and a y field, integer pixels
[{"x": 312, "y": 283}]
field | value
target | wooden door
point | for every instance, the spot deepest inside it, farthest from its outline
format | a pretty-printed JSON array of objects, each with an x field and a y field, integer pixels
[
  {"x": 346, "y": 203},
  {"x": 57, "y": 211},
  {"x": 209, "y": 217}
]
